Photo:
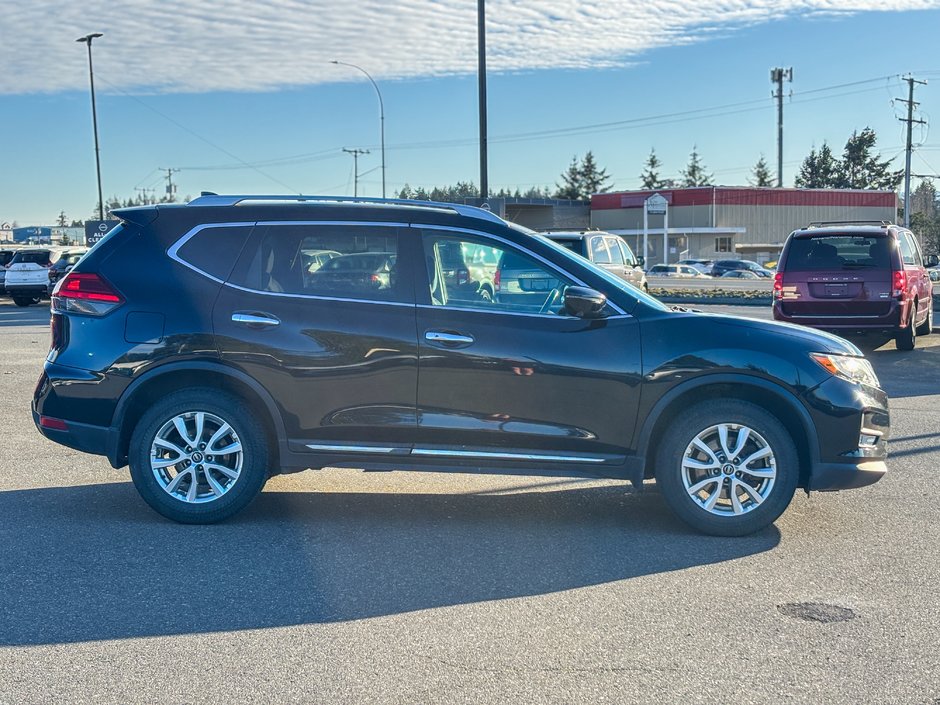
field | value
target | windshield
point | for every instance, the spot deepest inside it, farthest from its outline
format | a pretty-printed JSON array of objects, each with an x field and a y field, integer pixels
[
  {"x": 839, "y": 252},
  {"x": 614, "y": 282}
]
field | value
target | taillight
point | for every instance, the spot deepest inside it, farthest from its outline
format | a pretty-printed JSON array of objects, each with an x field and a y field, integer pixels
[
  {"x": 899, "y": 284},
  {"x": 778, "y": 285},
  {"x": 496, "y": 279},
  {"x": 85, "y": 292}
]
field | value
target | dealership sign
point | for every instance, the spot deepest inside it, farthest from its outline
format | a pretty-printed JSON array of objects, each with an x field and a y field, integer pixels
[{"x": 97, "y": 229}]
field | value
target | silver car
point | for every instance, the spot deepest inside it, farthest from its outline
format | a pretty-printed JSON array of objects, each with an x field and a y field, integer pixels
[{"x": 605, "y": 250}]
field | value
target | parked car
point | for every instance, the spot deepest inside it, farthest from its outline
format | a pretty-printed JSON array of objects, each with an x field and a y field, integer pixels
[
  {"x": 727, "y": 265},
  {"x": 740, "y": 274},
  {"x": 702, "y": 265},
  {"x": 27, "y": 276},
  {"x": 605, "y": 250},
  {"x": 5, "y": 257},
  {"x": 189, "y": 345},
  {"x": 62, "y": 266},
  {"x": 856, "y": 279},
  {"x": 683, "y": 271}
]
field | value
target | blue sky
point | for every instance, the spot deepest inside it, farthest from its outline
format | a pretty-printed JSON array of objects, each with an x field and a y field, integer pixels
[{"x": 178, "y": 87}]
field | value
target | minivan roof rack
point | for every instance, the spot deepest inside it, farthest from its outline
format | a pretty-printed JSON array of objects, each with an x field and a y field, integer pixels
[
  {"x": 824, "y": 223},
  {"x": 211, "y": 199}
]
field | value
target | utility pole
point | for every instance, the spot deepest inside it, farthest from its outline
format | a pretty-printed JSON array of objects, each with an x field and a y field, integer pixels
[
  {"x": 481, "y": 81},
  {"x": 87, "y": 39},
  {"x": 778, "y": 76},
  {"x": 146, "y": 194},
  {"x": 170, "y": 186},
  {"x": 355, "y": 155},
  {"x": 910, "y": 147}
]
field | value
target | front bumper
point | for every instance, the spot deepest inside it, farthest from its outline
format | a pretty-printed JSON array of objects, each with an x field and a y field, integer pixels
[{"x": 853, "y": 427}]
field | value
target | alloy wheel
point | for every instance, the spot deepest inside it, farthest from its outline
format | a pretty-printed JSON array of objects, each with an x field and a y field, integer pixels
[
  {"x": 196, "y": 457},
  {"x": 729, "y": 469}
]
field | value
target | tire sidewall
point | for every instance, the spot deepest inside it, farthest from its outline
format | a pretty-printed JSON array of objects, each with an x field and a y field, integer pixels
[
  {"x": 687, "y": 426},
  {"x": 255, "y": 456}
]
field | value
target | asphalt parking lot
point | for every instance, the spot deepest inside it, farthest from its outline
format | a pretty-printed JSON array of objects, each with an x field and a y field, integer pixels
[{"x": 340, "y": 586}]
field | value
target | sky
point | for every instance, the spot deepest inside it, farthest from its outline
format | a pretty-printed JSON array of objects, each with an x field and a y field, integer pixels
[{"x": 242, "y": 97}]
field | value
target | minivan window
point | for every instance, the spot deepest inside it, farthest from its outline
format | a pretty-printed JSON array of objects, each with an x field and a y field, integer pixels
[
  {"x": 341, "y": 261},
  {"x": 908, "y": 249},
  {"x": 828, "y": 252}
]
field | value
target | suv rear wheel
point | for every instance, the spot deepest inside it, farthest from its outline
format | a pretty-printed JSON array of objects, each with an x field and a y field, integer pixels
[
  {"x": 727, "y": 467},
  {"x": 197, "y": 457},
  {"x": 907, "y": 338}
]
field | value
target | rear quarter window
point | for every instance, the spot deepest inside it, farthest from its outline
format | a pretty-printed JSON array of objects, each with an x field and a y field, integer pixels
[{"x": 215, "y": 249}]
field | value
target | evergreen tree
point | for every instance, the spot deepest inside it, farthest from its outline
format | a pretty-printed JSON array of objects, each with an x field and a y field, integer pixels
[
  {"x": 761, "y": 175},
  {"x": 571, "y": 186},
  {"x": 650, "y": 179},
  {"x": 63, "y": 220},
  {"x": 819, "y": 169},
  {"x": 861, "y": 168},
  {"x": 694, "y": 174},
  {"x": 593, "y": 178}
]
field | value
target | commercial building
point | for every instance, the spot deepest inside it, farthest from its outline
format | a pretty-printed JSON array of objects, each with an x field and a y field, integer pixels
[{"x": 722, "y": 222}]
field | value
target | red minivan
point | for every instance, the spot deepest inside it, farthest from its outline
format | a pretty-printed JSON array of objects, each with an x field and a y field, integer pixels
[{"x": 856, "y": 278}]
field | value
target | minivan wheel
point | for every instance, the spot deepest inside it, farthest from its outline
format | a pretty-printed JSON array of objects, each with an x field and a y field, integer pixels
[
  {"x": 907, "y": 338},
  {"x": 197, "y": 457},
  {"x": 727, "y": 467},
  {"x": 927, "y": 326}
]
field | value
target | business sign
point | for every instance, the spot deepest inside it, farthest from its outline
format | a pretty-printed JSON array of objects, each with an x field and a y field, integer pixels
[
  {"x": 656, "y": 205},
  {"x": 97, "y": 229}
]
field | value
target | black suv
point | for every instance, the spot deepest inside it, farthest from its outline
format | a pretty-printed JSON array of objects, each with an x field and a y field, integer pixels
[{"x": 226, "y": 359}]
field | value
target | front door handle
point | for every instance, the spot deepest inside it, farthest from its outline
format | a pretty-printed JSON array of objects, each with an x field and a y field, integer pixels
[
  {"x": 450, "y": 340},
  {"x": 255, "y": 320}
]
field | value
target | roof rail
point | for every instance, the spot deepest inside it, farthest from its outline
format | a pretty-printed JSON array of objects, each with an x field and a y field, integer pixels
[
  {"x": 824, "y": 223},
  {"x": 211, "y": 199}
]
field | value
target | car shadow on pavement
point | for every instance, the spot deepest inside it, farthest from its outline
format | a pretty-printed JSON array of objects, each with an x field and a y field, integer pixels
[
  {"x": 94, "y": 563},
  {"x": 908, "y": 373}
]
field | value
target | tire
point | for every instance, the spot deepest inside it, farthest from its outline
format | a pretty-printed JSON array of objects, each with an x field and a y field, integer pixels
[
  {"x": 772, "y": 475},
  {"x": 906, "y": 339},
  {"x": 927, "y": 326},
  {"x": 23, "y": 300},
  {"x": 225, "y": 483}
]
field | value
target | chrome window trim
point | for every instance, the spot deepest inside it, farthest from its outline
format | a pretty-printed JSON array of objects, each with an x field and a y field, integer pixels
[
  {"x": 517, "y": 246},
  {"x": 492, "y": 311},
  {"x": 173, "y": 251},
  {"x": 316, "y": 297},
  {"x": 498, "y": 455}
]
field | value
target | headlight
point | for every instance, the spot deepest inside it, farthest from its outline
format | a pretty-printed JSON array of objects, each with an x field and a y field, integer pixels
[{"x": 854, "y": 369}]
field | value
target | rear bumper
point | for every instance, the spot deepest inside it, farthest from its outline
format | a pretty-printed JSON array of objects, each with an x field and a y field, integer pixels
[
  {"x": 26, "y": 289},
  {"x": 889, "y": 324}
]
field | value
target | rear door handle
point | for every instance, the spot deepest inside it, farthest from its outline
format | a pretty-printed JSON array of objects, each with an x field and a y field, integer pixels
[
  {"x": 255, "y": 320},
  {"x": 450, "y": 340}
]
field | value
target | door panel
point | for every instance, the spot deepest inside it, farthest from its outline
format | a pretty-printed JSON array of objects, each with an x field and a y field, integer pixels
[
  {"x": 500, "y": 374},
  {"x": 341, "y": 368}
]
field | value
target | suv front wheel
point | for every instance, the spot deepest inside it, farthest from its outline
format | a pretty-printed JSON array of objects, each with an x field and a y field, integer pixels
[
  {"x": 197, "y": 457},
  {"x": 727, "y": 467}
]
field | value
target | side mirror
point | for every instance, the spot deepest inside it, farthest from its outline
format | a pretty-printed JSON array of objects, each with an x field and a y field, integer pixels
[
  {"x": 640, "y": 261},
  {"x": 931, "y": 261},
  {"x": 583, "y": 302}
]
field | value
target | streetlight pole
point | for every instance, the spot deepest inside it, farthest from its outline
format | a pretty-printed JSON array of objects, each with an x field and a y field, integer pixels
[
  {"x": 381, "y": 112},
  {"x": 94, "y": 117}
]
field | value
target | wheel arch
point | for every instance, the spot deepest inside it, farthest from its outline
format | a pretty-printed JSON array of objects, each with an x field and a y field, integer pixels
[
  {"x": 169, "y": 378},
  {"x": 768, "y": 395}
]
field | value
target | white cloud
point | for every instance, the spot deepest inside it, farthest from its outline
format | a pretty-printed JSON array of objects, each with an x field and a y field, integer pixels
[{"x": 208, "y": 45}]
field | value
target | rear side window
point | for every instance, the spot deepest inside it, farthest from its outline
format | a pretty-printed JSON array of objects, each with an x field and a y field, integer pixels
[
  {"x": 616, "y": 254},
  {"x": 909, "y": 251},
  {"x": 339, "y": 261},
  {"x": 215, "y": 249},
  {"x": 599, "y": 252},
  {"x": 837, "y": 252}
]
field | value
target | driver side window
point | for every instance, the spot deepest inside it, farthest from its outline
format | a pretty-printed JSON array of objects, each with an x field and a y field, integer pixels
[{"x": 465, "y": 272}]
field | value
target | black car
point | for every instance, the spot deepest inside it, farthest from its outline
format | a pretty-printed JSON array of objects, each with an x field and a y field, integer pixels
[
  {"x": 730, "y": 265},
  {"x": 224, "y": 361}
]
